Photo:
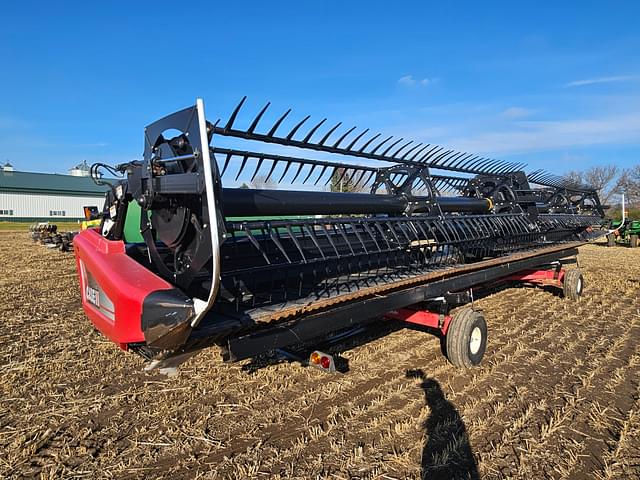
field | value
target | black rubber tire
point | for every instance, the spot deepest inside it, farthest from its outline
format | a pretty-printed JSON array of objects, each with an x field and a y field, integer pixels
[
  {"x": 573, "y": 284},
  {"x": 459, "y": 336},
  {"x": 633, "y": 241},
  {"x": 611, "y": 240}
]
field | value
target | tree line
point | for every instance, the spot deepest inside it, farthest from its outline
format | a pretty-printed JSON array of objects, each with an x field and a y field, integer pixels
[{"x": 611, "y": 181}]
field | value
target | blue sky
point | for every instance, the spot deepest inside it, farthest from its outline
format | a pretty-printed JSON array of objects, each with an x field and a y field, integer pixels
[{"x": 554, "y": 84}]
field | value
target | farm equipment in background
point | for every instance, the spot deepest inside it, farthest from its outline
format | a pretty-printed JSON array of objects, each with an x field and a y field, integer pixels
[
  {"x": 624, "y": 232},
  {"x": 183, "y": 259},
  {"x": 47, "y": 234},
  {"x": 92, "y": 217},
  {"x": 42, "y": 230}
]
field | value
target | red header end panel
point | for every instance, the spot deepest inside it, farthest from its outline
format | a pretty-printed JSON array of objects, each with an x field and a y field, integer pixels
[{"x": 113, "y": 286}]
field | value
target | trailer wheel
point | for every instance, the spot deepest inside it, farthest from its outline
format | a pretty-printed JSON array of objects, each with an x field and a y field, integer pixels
[
  {"x": 573, "y": 284},
  {"x": 611, "y": 240},
  {"x": 633, "y": 241},
  {"x": 466, "y": 339}
]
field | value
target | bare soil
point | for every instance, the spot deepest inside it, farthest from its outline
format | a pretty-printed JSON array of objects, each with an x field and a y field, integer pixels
[{"x": 557, "y": 395}]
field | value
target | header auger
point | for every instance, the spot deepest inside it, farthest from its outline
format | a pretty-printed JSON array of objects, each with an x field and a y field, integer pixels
[{"x": 185, "y": 258}]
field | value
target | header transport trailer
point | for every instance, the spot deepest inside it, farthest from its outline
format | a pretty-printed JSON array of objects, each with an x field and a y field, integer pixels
[{"x": 348, "y": 227}]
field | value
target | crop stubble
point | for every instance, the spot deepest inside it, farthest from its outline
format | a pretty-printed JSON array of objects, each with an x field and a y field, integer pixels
[{"x": 557, "y": 395}]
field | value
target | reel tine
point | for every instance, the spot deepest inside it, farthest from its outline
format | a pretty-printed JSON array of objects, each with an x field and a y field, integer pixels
[
  {"x": 475, "y": 164},
  {"x": 394, "y": 156},
  {"x": 242, "y": 165},
  {"x": 324, "y": 169},
  {"x": 277, "y": 124},
  {"x": 368, "y": 142},
  {"x": 430, "y": 153},
  {"x": 435, "y": 161},
  {"x": 373, "y": 152},
  {"x": 295, "y": 129},
  {"x": 358, "y": 137},
  {"x": 313, "y": 130},
  {"x": 357, "y": 184},
  {"x": 344, "y": 172},
  {"x": 273, "y": 167},
  {"x": 339, "y": 141},
  {"x": 404, "y": 156},
  {"x": 313, "y": 167},
  {"x": 234, "y": 114},
  {"x": 512, "y": 167},
  {"x": 384, "y": 154},
  {"x": 415, "y": 155},
  {"x": 447, "y": 157},
  {"x": 371, "y": 174},
  {"x": 482, "y": 164},
  {"x": 495, "y": 166},
  {"x": 505, "y": 167},
  {"x": 328, "y": 134},
  {"x": 286, "y": 169},
  {"x": 331, "y": 176},
  {"x": 465, "y": 162},
  {"x": 447, "y": 163},
  {"x": 255, "y": 172},
  {"x": 300, "y": 166},
  {"x": 254, "y": 124},
  {"x": 226, "y": 164},
  {"x": 461, "y": 160}
]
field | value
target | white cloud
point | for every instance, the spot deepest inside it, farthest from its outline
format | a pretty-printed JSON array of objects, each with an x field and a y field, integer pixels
[
  {"x": 513, "y": 113},
  {"x": 546, "y": 135},
  {"x": 407, "y": 80},
  {"x": 410, "y": 81},
  {"x": 593, "y": 81}
]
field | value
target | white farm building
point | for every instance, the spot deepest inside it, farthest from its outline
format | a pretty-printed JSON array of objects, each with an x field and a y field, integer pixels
[{"x": 29, "y": 196}]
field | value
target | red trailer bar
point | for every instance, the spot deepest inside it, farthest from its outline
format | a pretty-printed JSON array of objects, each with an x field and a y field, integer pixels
[
  {"x": 540, "y": 277},
  {"x": 421, "y": 317}
]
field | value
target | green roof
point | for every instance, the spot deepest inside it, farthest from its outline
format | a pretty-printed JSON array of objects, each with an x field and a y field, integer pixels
[{"x": 49, "y": 183}]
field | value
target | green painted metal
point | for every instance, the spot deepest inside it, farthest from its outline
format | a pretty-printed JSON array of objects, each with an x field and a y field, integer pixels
[
  {"x": 49, "y": 184},
  {"x": 132, "y": 224},
  {"x": 624, "y": 231}
]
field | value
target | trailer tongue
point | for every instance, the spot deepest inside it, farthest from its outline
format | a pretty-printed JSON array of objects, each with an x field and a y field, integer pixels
[{"x": 184, "y": 258}]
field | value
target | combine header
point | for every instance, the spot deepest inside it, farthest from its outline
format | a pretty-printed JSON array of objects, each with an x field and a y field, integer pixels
[{"x": 184, "y": 258}]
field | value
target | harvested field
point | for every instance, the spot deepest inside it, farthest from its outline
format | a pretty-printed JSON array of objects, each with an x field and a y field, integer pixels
[{"x": 557, "y": 395}]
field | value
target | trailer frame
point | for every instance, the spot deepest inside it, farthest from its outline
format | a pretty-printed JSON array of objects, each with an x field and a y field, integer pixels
[{"x": 539, "y": 267}]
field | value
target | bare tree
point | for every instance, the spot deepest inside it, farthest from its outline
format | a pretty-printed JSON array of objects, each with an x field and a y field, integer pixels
[
  {"x": 262, "y": 182},
  {"x": 342, "y": 181},
  {"x": 604, "y": 179},
  {"x": 629, "y": 184},
  {"x": 575, "y": 176}
]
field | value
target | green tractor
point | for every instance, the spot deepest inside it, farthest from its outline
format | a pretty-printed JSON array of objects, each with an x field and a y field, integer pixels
[{"x": 625, "y": 232}]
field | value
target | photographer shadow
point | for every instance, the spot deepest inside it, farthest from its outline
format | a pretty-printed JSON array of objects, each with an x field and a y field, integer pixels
[{"x": 447, "y": 452}]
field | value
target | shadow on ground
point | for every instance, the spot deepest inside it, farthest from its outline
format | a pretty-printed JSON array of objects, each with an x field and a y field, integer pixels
[{"x": 447, "y": 451}]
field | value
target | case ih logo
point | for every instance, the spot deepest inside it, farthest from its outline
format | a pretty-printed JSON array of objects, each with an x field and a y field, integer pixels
[{"x": 93, "y": 296}]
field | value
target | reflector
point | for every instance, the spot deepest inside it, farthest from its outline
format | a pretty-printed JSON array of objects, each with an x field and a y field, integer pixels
[
  {"x": 325, "y": 362},
  {"x": 315, "y": 358}
]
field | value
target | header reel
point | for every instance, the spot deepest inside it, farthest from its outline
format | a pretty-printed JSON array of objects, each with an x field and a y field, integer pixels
[{"x": 227, "y": 252}]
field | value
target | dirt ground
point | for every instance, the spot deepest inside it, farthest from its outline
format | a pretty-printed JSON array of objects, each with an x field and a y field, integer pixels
[{"x": 557, "y": 395}]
